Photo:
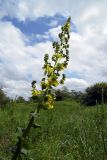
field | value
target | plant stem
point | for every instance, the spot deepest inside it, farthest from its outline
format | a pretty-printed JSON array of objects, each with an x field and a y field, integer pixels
[{"x": 24, "y": 135}]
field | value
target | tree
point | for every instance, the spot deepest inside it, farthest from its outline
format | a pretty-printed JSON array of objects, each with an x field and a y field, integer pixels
[
  {"x": 76, "y": 95},
  {"x": 3, "y": 98},
  {"x": 62, "y": 94},
  {"x": 20, "y": 99},
  {"x": 96, "y": 93}
]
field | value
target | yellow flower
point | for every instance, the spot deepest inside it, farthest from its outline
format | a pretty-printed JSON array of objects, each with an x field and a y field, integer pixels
[
  {"x": 49, "y": 101},
  {"x": 35, "y": 92},
  {"x": 50, "y": 69},
  {"x": 53, "y": 81},
  {"x": 59, "y": 66},
  {"x": 49, "y": 105},
  {"x": 59, "y": 55},
  {"x": 44, "y": 84}
]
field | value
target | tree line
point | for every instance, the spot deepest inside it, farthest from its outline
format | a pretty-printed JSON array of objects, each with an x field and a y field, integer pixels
[{"x": 94, "y": 94}]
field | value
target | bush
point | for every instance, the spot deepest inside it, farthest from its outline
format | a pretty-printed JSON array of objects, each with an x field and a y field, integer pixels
[
  {"x": 96, "y": 93},
  {"x": 20, "y": 99},
  {"x": 3, "y": 99},
  {"x": 65, "y": 94},
  {"x": 76, "y": 95},
  {"x": 62, "y": 94}
]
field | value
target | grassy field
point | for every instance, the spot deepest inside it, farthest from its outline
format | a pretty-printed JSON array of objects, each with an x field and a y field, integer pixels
[{"x": 69, "y": 131}]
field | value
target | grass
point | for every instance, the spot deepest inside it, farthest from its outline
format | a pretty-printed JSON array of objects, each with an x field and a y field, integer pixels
[{"x": 69, "y": 131}]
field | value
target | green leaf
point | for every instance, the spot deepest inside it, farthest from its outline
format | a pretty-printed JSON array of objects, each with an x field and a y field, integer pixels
[
  {"x": 24, "y": 151},
  {"x": 19, "y": 130},
  {"x": 36, "y": 126},
  {"x": 25, "y": 144},
  {"x": 33, "y": 115}
]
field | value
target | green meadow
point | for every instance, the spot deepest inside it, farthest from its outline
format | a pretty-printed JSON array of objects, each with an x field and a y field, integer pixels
[{"x": 68, "y": 132}]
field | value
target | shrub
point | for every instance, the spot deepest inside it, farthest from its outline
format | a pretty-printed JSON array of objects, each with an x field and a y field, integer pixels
[
  {"x": 65, "y": 94},
  {"x": 62, "y": 94},
  {"x": 3, "y": 99},
  {"x": 96, "y": 93},
  {"x": 20, "y": 99}
]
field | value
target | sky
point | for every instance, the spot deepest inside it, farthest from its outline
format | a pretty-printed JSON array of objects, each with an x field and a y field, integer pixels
[{"x": 27, "y": 30}]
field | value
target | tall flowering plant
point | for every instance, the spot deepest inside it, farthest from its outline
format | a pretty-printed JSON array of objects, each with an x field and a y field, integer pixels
[
  {"x": 53, "y": 77},
  {"x": 52, "y": 73}
]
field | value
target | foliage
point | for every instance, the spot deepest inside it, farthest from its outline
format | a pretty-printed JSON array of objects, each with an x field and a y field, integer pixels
[
  {"x": 96, "y": 93},
  {"x": 3, "y": 99},
  {"x": 76, "y": 95},
  {"x": 65, "y": 94},
  {"x": 20, "y": 99},
  {"x": 62, "y": 94}
]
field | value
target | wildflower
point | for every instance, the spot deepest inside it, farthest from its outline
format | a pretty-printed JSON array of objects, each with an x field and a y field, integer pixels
[
  {"x": 53, "y": 80},
  {"x": 44, "y": 84},
  {"x": 59, "y": 55},
  {"x": 49, "y": 101},
  {"x": 59, "y": 66},
  {"x": 49, "y": 105},
  {"x": 48, "y": 68},
  {"x": 35, "y": 92}
]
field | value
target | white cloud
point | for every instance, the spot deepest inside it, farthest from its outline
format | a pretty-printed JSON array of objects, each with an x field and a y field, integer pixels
[
  {"x": 19, "y": 63},
  {"x": 88, "y": 58},
  {"x": 14, "y": 88},
  {"x": 34, "y": 9},
  {"x": 29, "y": 9},
  {"x": 76, "y": 84},
  {"x": 50, "y": 34},
  {"x": 87, "y": 15},
  {"x": 53, "y": 23},
  {"x": 88, "y": 49}
]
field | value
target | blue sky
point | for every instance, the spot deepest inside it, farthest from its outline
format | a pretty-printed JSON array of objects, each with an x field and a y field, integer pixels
[
  {"x": 40, "y": 26},
  {"x": 27, "y": 30}
]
